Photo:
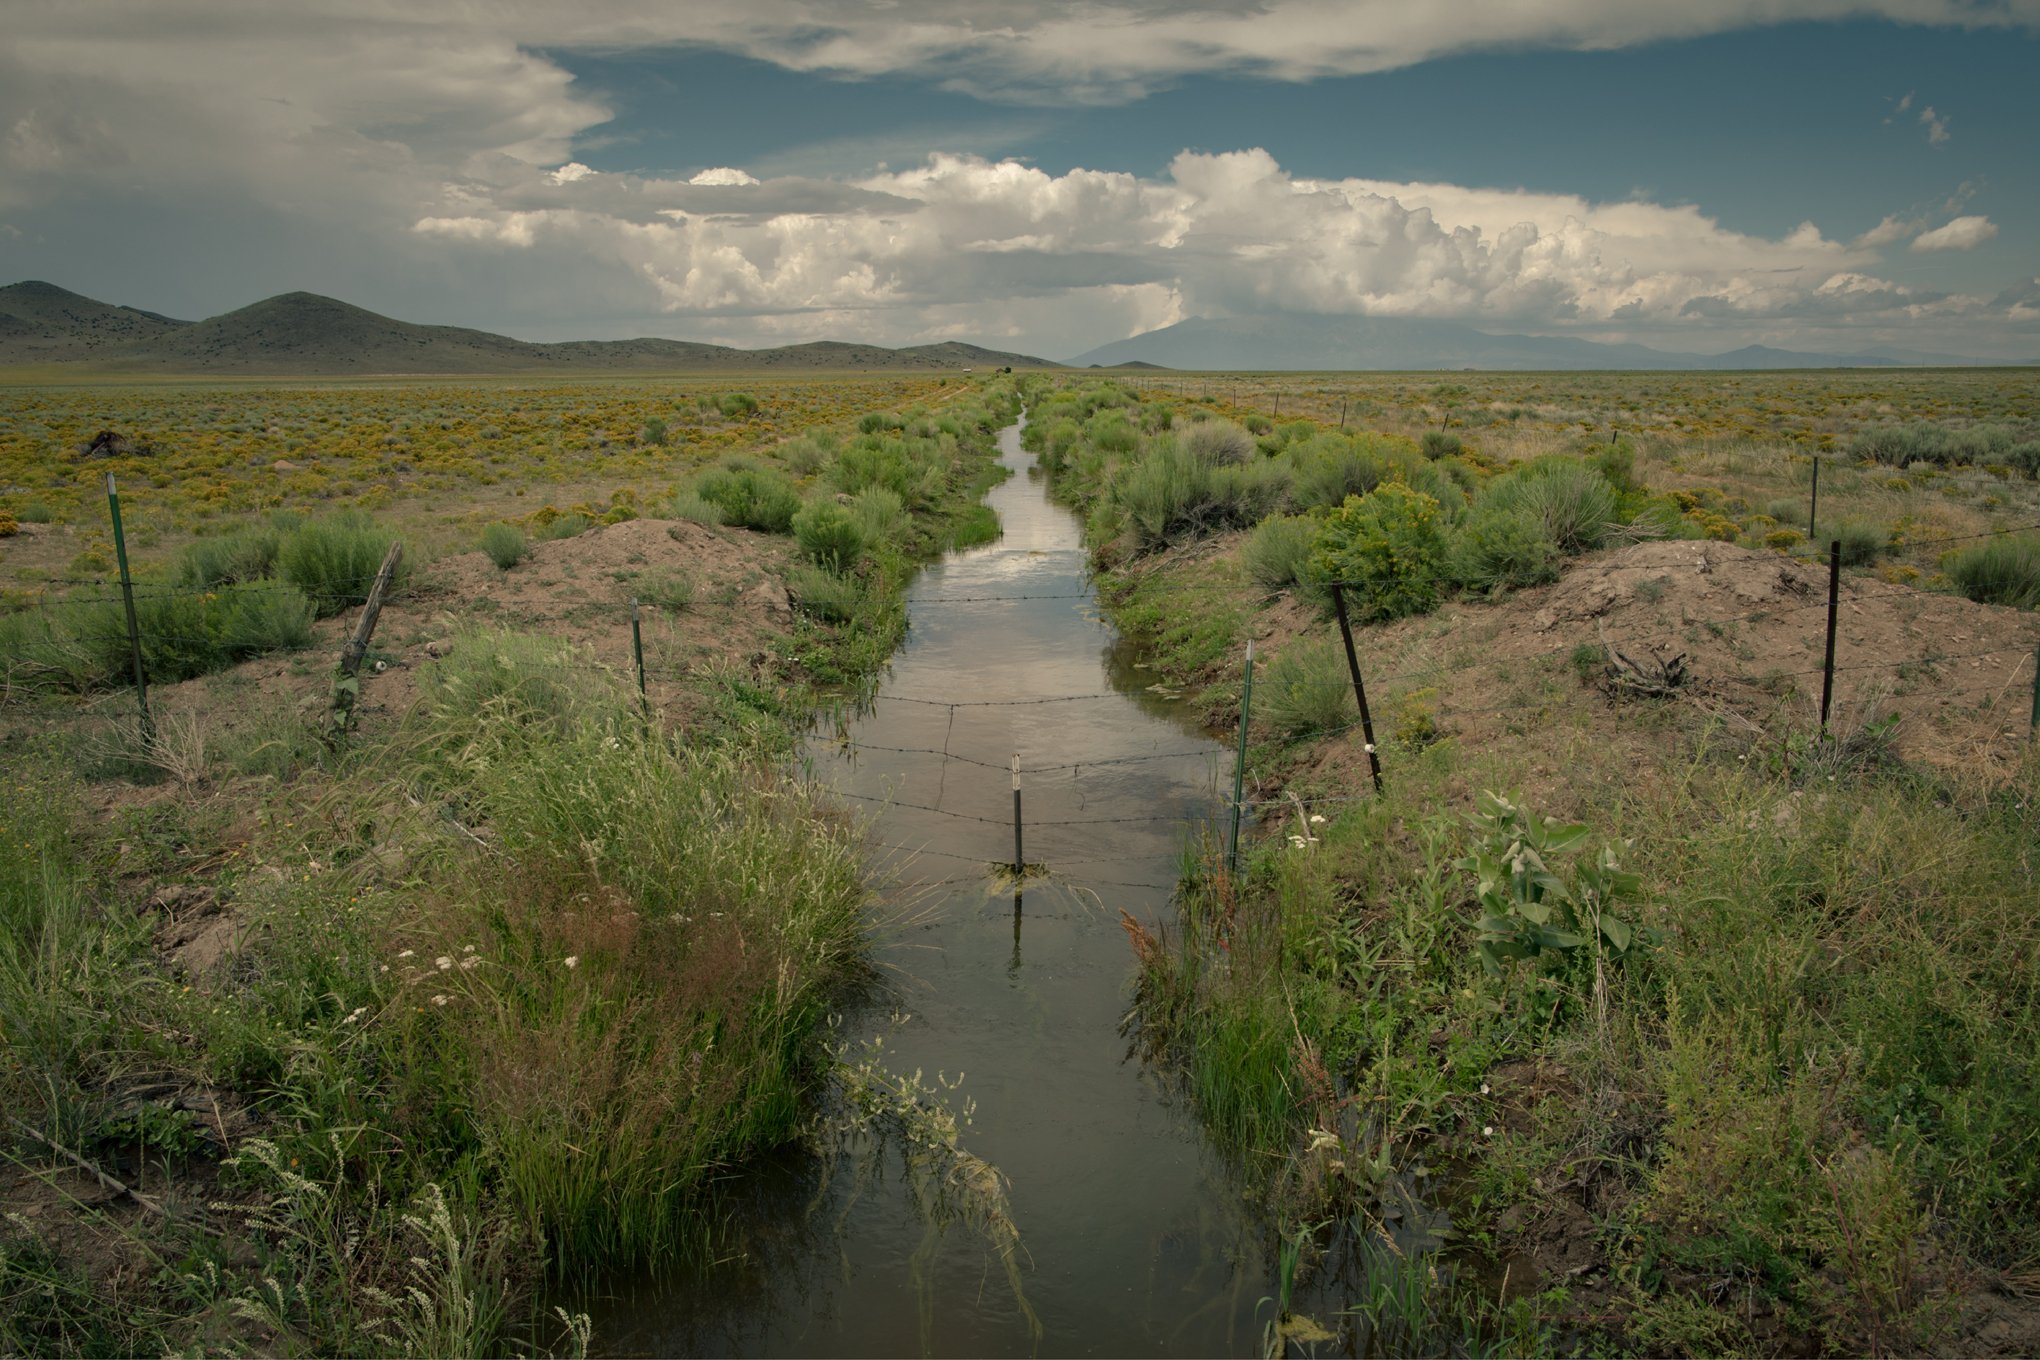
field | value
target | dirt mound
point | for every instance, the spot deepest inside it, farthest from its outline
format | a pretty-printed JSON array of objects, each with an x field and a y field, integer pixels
[{"x": 1934, "y": 677}]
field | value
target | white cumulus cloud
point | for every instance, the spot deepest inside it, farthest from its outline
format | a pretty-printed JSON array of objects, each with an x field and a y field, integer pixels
[
  {"x": 723, "y": 174},
  {"x": 1963, "y": 233}
]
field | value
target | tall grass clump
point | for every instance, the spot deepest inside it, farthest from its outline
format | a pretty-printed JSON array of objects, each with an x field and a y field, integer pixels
[
  {"x": 830, "y": 535},
  {"x": 880, "y": 514},
  {"x": 1502, "y": 547},
  {"x": 1305, "y": 689},
  {"x": 751, "y": 496},
  {"x": 694, "y": 508},
  {"x": 1276, "y": 554},
  {"x": 334, "y": 560},
  {"x": 1862, "y": 541},
  {"x": 245, "y": 555},
  {"x": 1998, "y": 571},
  {"x": 505, "y": 544},
  {"x": 1218, "y": 443},
  {"x": 1574, "y": 503}
]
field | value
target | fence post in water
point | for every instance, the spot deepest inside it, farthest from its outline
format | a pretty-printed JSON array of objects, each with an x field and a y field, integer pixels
[
  {"x": 127, "y": 597},
  {"x": 1359, "y": 689},
  {"x": 1827, "y": 681},
  {"x": 1239, "y": 769},
  {"x": 1813, "y": 504},
  {"x": 637, "y": 647},
  {"x": 1019, "y": 855}
]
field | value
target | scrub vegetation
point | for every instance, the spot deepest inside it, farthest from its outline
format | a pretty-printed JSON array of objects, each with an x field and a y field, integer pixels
[
  {"x": 1627, "y": 1017},
  {"x": 395, "y": 1034}
]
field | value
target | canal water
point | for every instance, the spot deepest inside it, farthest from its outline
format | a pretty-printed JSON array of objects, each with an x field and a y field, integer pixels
[{"x": 1133, "y": 1239}]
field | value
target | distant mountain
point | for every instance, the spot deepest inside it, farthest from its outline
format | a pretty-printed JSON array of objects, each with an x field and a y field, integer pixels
[
  {"x": 306, "y": 334},
  {"x": 1314, "y": 342},
  {"x": 42, "y": 323}
]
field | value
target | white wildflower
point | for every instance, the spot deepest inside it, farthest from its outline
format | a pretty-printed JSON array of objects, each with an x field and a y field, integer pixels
[
  {"x": 440, "y": 999},
  {"x": 359, "y": 1011},
  {"x": 407, "y": 953},
  {"x": 443, "y": 962},
  {"x": 573, "y": 960},
  {"x": 1487, "y": 1131}
]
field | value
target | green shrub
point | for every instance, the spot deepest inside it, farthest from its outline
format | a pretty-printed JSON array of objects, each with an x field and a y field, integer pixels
[
  {"x": 654, "y": 432},
  {"x": 1217, "y": 443},
  {"x": 1572, "y": 501},
  {"x": 247, "y": 555},
  {"x": 1862, "y": 542},
  {"x": 752, "y": 497},
  {"x": 1438, "y": 444},
  {"x": 1112, "y": 432},
  {"x": 1249, "y": 492},
  {"x": 570, "y": 525},
  {"x": 1305, "y": 689},
  {"x": 335, "y": 560},
  {"x": 1276, "y": 554},
  {"x": 1998, "y": 571},
  {"x": 824, "y": 594},
  {"x": 880, "y": 513},
  {"x": 1329, "y": 469},
  {"x": 505, "y": 544},
  {"x": 734, "y": 404},
  {"x": 1926, "y": 442},
  {"x": 271, "y": 617},
  {"x": 911, "y": 472},
  {"x": 1386, "y": 548},
  {"x": 35, "y": 512},
  {"x": 1503, "y": 546},
  {"x": 692, "y": 508},
  {"x": 1788, "y": 510},
  {"x": 876, "y": 422},
  {"x": 829, "y": 535},
  {"x": 1164, "y": 495}
]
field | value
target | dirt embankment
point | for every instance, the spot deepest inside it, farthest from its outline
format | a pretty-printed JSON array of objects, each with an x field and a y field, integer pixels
[
  {"x": 1944, "y": 681},
  {"x": 708, "y": 598}
]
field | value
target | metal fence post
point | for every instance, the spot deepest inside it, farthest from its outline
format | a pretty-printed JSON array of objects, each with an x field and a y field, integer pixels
[
  {"x": 1813, "y": 504},
  {"x": 637, "y": 646},
  {"x": 127, "y": 597},
  {"x": 1239, "y": 774},
  {"x": 1359, "y": 689},
  {"x": 1019, "y": 854},
  {"x": 1827, "y": 681}
]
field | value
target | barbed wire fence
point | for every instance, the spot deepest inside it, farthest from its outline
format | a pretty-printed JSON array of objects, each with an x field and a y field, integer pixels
[{"x": 366, "y": 591}]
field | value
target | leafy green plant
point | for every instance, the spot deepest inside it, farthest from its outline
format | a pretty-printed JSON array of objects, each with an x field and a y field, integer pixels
[
  {"x": 1386, "y": 548},
  {"x": 1531, "y": 909}
]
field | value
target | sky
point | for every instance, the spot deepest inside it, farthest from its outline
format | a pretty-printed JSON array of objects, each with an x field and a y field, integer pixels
[{"x": 1833, "y": 175}]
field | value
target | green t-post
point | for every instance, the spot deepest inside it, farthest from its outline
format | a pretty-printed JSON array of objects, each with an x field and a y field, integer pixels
[{"x": 127, "y": 597}]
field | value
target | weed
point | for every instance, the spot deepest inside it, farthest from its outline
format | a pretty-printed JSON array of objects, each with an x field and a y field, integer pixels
[{"x": 2004, "y": 570}]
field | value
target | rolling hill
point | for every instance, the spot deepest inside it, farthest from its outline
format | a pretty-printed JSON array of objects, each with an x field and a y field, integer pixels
[
  {"x": 303, "y": 334},
  {"x": 1315, "y": 342},
  {"x": 42, "y": 323}
]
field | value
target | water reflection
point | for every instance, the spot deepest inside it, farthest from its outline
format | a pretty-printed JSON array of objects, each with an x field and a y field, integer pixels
[{"x": 1134, "y": 1239}]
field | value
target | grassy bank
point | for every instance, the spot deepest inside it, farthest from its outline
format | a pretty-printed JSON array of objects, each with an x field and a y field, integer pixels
[
  {"x": 382, "y": 1038},
  {"x": 1710, "y": 1034}
]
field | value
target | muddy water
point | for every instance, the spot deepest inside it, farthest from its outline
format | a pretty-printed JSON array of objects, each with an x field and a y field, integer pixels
[{"x": 1134, "y": 1239}]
